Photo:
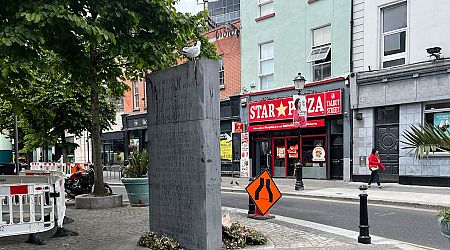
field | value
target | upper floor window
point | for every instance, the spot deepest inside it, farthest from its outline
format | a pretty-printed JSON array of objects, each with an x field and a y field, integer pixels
[
  {"x": 136, "y": 94},
  {"x": 320, "y": 55},
  {"x": 221, "y": 73},
  {"x": 393, "y": 37},
  {"x": 266, "y": 65},
  {"x": 265, "y": 7}
]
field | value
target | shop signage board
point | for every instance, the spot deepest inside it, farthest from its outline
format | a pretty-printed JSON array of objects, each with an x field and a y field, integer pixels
[
  {"x": 317, "y": 104},
  {"x": 226, "y": 150},
  {"x": 285, "y": 126},
  {"x": 264, "y": 192},
  {"x": 245, "y": 158},
  {"x": 442, "y": 121},
  {"x": 318, "y": 154},
  {"x": 238, "y": 127}
]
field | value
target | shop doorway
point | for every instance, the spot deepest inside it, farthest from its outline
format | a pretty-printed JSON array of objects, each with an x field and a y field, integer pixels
[
  {"x": 262, "y": 155},
  {"x": 386, "y": 138},
  {"x": 313, "y": 156},
  {"x": 285, "y": 155}
]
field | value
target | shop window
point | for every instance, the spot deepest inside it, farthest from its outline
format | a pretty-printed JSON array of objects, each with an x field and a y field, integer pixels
[
  {"x": 394, "y": 35},
  {"x": 438, "y": 114},
  {"x": 266, "y": 65},
  {"x": 314, "y": 157},
  {"x": 320, "y": 55},
  {"x": 265, "y": 7}
]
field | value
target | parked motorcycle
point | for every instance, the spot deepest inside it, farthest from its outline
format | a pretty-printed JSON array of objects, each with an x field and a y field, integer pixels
[{"x": 81, "y": 182}]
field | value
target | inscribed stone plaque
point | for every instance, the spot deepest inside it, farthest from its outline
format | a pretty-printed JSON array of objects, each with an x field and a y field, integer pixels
[{"x": 184, "y": 159}]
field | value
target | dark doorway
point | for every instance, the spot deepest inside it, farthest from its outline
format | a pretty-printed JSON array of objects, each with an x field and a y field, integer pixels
[
  {"x": 262, "y": 156},
  {"x": 386, "y": 139}
]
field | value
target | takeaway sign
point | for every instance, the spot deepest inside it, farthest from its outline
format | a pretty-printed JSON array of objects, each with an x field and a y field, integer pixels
[{"x": 318, "y": 104}]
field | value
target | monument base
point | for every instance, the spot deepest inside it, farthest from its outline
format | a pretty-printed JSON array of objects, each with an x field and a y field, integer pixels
[{"x": 87, "y": 201}]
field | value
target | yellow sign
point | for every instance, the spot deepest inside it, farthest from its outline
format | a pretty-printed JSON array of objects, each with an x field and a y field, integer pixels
[{"x": 226, "y": 150}]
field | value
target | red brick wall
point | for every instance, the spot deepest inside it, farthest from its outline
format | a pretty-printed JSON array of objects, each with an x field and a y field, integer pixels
[
  {"x": 230, "y": 49},
  {"x": 128, "y": 97}
]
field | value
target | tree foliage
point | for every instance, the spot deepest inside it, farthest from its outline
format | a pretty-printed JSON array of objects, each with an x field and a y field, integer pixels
[
  {"x": 96, "y": 44},
  {"x": 425, "y": 139}
]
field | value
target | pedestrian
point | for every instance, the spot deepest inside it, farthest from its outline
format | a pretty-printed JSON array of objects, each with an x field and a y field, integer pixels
[{"x": 374, "y": 166}]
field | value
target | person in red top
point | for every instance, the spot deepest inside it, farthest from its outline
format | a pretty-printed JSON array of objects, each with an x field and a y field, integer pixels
[{"x": 374, "y": 166}]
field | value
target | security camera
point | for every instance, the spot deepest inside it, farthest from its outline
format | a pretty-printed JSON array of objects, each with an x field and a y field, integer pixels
[{"x": 434, "y": 52}]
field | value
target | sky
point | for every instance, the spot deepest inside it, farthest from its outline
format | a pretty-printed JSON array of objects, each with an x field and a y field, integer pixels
[{"x": 189, "y": 6}]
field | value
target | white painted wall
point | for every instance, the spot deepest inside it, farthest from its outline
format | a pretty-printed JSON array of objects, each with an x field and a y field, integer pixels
[{"x": 428, "y": 26}]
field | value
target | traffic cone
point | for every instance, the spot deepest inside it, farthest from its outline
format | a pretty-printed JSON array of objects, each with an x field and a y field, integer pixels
[{"x": 258, "y": 215}]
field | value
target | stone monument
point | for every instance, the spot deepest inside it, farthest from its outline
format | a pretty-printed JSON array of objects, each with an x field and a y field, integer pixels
[{"x": 184, "y": 159}]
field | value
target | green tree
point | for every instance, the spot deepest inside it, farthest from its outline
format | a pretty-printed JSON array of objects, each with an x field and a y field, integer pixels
[{"x": 98, "y": 43}]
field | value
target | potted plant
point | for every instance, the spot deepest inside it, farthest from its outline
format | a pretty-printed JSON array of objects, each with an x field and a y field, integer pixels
[
  {"x": 443, "y": 216},
  {"x": 426, "y": 139},
  {"x": 135, "y": 178}
]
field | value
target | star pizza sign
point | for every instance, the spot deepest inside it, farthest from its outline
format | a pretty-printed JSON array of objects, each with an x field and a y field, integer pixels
[{"x": 263, "y": 192}]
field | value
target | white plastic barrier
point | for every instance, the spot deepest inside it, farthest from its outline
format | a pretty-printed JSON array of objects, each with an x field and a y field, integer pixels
[
  {"x": 26, "y": 209},
  {"x": 31, "y": 203},
  {"x": 66, "y": 168}
]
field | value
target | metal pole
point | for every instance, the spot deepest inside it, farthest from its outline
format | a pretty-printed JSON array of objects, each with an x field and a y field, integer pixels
[
  {"x": 299, "y": 182},
  {"x": 16, "y": 144},
  {"x": 251, "y": 204},
  {"x": 363, "y": 237}
]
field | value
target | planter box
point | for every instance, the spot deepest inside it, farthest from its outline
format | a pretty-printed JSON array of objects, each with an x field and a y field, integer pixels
[
  {"x": 137, "y": 191},
  {"x": 88, "y": 201},
  {"x": 445, "y": 227}
]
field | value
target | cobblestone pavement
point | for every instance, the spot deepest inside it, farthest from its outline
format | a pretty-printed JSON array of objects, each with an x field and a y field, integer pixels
[
  {"x": 120, "y": 228},
  {"x": 290, "y": 236}
]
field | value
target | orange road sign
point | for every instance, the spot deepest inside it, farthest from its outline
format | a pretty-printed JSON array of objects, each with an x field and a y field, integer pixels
[{"x": 264, "y": 192}]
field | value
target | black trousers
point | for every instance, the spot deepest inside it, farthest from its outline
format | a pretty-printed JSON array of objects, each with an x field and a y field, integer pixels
[{"x": 374, "y": 177}]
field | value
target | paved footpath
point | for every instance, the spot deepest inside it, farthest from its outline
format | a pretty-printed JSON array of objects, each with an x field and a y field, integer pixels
[{"x": 120, "y": 228}]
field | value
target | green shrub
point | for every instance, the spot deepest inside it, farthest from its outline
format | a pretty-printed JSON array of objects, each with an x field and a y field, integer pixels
[
  {"x": 156, "y": 241},
  {"x": 138, "y": 167},
  {"x": 238, "y": 236},
  {"x": 445, "y": 214}
]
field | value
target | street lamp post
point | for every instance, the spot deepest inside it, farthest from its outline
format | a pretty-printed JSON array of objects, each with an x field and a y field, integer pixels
[{"x": 299, "y": 84}]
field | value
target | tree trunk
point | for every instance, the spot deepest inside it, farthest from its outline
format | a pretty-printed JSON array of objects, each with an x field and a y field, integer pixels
[
  {"x": 45, "y": 154},
  {"x": 64, "y": 147},
  {"x": 99, "y": 188}
]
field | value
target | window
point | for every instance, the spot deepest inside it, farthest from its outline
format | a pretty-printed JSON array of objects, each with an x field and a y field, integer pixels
[
  {"x": 438, "y": 114},
  {"x": 145, "y": 95},
  {"x": 265, "y": 7},
  {"x": 393, "y": 37},
  {"x": 221, "y": 74},
  {"x": 266, "y": 65},
  {"x": 320, "y": 55},
  {"x": 136, "y": 94}
]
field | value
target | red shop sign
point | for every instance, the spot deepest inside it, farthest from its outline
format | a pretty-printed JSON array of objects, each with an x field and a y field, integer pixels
[
  {"x": 285, "y": 126},
  {"x": 319, "y": 104}
]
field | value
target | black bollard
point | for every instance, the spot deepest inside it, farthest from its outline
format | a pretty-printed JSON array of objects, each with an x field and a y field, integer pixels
[
  {"x": 251, "y": 204},
  {"x": 363, "y": 237},
  {"x": 299, "y": 175}
]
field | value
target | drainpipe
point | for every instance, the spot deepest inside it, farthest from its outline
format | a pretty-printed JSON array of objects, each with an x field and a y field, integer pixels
[{"x": 350, "y": 101}]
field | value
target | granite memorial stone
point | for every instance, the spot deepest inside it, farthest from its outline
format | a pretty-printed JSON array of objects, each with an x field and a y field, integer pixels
[{"x": 184, "y": 159}]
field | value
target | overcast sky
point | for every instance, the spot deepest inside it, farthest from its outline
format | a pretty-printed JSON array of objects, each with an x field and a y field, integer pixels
[{"x": 189, "y": 6}]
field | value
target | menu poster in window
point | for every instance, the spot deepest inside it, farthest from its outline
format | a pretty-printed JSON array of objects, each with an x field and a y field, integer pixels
[
  {"x": 293, "y": 151},
  {"x": 442, "y": 121},
  {"x": 281, "y": 152},
  {"x": 299, "y": 116},
  {"x": 318, "y": 154},
  {"x": 245, "y": 160}
]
